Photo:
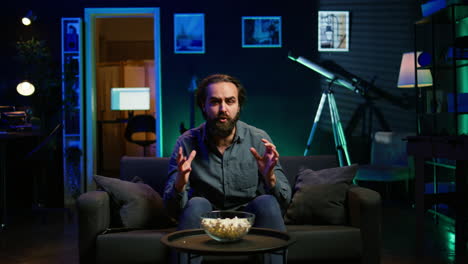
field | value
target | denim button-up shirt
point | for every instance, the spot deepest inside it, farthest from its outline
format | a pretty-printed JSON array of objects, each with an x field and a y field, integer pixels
[{"x": 230, "y": 180}]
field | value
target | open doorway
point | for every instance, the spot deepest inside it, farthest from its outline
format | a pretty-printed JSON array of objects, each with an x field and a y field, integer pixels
[{"x": 122, "y": 51}]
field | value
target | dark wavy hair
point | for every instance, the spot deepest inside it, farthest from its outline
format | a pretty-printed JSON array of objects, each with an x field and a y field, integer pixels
[{"x": 216, "y": 78}]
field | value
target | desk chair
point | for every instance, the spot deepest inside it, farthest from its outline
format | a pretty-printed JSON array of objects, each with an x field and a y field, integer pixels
[
  {"x": 141, "y": 130},
  {"x": 389, "y": 161}
]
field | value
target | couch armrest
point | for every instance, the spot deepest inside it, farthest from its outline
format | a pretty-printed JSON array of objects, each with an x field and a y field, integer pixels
[
  {"x": 93, "y": 218},
  {"x": 365, "y": 212}
]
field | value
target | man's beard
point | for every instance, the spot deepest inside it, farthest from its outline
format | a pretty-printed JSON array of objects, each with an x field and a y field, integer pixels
[{"x": 219, "y": 129}]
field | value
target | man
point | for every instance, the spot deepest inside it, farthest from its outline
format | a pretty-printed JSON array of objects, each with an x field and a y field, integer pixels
[{"x": 225, "y": 164}]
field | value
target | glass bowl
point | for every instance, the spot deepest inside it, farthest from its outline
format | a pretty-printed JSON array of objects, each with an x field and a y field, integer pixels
[{"x": 227, "y": 226}]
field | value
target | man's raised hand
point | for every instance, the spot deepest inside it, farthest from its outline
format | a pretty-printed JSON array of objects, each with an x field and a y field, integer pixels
[
  {"x": 184, "y": 167},
  {"x": 267, "y": 163}
]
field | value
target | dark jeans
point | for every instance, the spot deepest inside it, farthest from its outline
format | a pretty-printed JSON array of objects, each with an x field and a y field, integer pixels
[{"x": 267, "y": 215}]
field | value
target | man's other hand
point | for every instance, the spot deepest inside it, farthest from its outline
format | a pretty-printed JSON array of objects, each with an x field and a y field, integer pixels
[
  {"x": 267, "y": 163},
  {"x": 184, "y": 167}
]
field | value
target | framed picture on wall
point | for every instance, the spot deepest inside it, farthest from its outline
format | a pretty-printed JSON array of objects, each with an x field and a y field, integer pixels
[
  {"x": 261, "y": 32},
  {"x": 189, "y": 33},
  {"x": 333, "y": 31}
]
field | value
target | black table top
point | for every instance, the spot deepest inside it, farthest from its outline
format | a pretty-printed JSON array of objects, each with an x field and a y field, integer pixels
[{"x": 258, "y": 240}]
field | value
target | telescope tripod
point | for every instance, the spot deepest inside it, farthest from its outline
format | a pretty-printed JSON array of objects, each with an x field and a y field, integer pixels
[{"x": 338, "y": 134}]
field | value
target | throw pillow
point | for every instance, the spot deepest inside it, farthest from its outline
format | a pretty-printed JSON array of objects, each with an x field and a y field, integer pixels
[
  {"x": 320, "y": 196},
  {"x": 139, "y": 205},
  {"x": 321, "y": 204},
  {"x": 326, "y": 176}
]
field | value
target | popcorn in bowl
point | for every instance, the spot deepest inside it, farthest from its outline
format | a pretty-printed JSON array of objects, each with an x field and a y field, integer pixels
[{"x": 227, "y": 226}]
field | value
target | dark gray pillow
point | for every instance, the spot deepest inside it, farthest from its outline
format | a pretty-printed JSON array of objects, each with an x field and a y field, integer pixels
[
  {"x": 320, "y": 204},
  {"x": 320, "y": 196},
  {"x": 326, "y": 176},
  {"x": 139, "y": 205}
]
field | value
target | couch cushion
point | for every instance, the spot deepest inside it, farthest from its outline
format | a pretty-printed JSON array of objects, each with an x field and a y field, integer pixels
[
  {"x": 139, "y": 205},
  {"x": 316, "y": 242},
  {"x": 320, "y": 196},
  {"x": 139, "y": 246}
]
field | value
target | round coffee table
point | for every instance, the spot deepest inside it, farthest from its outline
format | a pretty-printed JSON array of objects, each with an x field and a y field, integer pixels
[{"x": 195, "y": 242}]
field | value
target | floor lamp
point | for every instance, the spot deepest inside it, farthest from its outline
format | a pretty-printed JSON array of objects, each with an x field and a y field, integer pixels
[{"x": 408, "y": 78}]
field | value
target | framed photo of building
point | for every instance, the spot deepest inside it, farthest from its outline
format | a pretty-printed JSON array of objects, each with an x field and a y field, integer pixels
[
  {"x": 333, "y": 31},
  {"x": 189, "y": 33},
  {"x": 261, "y": 32}
]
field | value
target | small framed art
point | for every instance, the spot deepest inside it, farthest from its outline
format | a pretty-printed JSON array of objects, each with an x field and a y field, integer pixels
[
  {"x": 189, "y": 33},
  {"x": 333, "y": 31},
  {"x": 261, "y": 32}
]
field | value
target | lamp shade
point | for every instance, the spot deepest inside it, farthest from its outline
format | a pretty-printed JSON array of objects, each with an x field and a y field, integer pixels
[
  {"x": 406, "y": 76},
  {"x": 25, "y": 88}
]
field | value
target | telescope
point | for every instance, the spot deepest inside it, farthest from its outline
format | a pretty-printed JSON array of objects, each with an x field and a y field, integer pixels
[
  {"x": 338, "y": 133},
  {"x": 333, "y": 77},
  {"x": 337, "y": 75}
]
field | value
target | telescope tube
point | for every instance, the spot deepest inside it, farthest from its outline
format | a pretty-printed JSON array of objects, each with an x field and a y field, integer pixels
[{"x": 329, "y": 75}]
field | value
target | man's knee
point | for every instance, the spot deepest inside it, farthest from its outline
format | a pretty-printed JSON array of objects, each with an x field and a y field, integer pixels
[
  {"x": 266, "y": 205},
  {"x": 266, "y": 201},
  {"x": 190, "y": 217},
  {"x": 267, "y": 212},
  {"x": 199, "y": 203}
]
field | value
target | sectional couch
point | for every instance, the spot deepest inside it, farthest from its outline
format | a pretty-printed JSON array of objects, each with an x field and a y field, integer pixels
[{"x": 357, "y": 240}]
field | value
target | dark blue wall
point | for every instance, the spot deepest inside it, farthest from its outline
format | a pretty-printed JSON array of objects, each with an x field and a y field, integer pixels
[{"x": 282, "y": 95}]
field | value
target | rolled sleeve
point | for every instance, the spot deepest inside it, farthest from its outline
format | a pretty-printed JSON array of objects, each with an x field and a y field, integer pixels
[
  {"x": 174, "y": 201},
  {"x": 281, "y": 190}
]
